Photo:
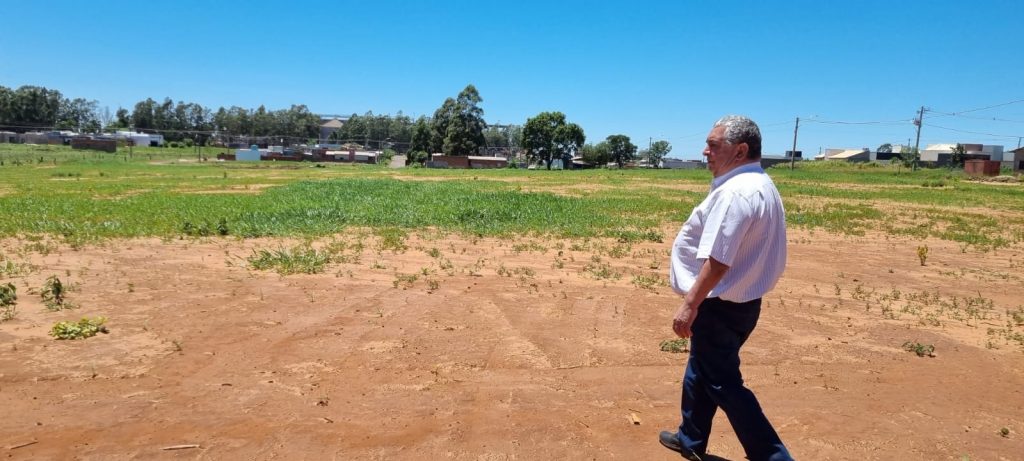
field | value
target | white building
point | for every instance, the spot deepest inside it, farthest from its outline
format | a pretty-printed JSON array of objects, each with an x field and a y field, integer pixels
[{"x": 141, "y": 139}]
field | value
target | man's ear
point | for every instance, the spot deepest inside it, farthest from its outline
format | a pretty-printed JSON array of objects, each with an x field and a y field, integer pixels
[{"x": 742, "y": 149}]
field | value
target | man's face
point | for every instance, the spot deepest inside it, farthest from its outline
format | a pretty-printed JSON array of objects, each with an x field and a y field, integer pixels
[{"x": 722, "y": 156}]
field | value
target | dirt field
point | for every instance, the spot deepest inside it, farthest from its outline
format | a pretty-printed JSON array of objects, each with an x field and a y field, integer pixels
[{"x": 497, "y": 353}]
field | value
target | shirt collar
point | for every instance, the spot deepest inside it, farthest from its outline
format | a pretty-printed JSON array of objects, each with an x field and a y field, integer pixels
[{"x": 754, "y": 167}]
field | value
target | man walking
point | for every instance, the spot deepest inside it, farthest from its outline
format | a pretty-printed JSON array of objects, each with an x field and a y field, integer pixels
[{"x": 729, "y": 253}]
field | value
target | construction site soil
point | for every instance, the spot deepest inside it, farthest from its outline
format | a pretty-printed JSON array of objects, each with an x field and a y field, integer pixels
[{"x": 496, "y": 349}]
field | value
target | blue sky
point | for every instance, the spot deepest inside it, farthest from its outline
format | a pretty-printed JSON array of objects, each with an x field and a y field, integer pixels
[{"x": 661, "y": 69}]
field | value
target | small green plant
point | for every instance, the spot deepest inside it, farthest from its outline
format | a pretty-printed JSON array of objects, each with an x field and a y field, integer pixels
[
  {"x": 922, "y": 350},
  {"x": 405, "y": 281},
  {"x": 82, "y": 329},
  {"x": 54, "y": 293},
  {"x": 922, "y": 253},
  {"x": 1004, "y": 431},
  {"x": 675, "y": 346},
  {"x": 297, "y": 260},
  {"x": 8, "y": 296}
]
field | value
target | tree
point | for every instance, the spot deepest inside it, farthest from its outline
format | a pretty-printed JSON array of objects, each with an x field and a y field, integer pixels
[
  {"x": 548, "y": 136},
  {"x": 957, "y": 157},
  {"x": 596, "y": 154},
  {"x": 439, "y": 125},
  {"x": 142, "y": 116},
  {"x": 458, "y": 125},
  {"x": 620, "y": 149},
  {"x": 908, "y": 156},
  {"x": 658, "y": 151},
  {"x": 884, "y": 149},
  {"x": 78, "y": 114},
  {"x": 419, "y": 147}
]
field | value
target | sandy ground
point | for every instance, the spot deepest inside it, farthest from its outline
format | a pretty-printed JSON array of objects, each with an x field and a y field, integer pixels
[{"x": 499, "y": 352}]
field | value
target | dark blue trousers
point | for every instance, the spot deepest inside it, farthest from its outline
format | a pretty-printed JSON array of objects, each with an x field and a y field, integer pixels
[{"x": 713, "y": 381}]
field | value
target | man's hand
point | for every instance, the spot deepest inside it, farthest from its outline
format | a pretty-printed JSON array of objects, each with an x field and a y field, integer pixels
[{"x": 683, "y": 320}]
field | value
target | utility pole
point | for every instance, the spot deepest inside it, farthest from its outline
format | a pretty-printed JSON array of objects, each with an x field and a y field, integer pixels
[
  {"x": 650, "y": 145},
  {"x": 792, "y": 153},
  {"x": 917, "y": 142}
]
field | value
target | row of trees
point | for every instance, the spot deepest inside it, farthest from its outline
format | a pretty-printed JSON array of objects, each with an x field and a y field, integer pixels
[
  {"x": 457, "y": 127},
  {"x": 30, "y": 107}
]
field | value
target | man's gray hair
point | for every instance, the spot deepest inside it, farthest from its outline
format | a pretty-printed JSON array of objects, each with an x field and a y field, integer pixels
[{"x": 740, "y": 129}]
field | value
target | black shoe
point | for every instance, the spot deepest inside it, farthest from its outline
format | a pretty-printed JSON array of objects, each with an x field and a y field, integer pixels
[{"x": 670, "y": 441}]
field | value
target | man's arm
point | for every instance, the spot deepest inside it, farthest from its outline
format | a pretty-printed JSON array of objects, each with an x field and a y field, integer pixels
[{"x": 710, "y": 274}]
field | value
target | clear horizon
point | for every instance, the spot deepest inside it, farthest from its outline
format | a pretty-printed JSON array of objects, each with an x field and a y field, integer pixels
[{"x": 649, "y": 70}]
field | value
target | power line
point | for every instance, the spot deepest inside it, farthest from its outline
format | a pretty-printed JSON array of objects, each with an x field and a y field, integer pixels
[
  {"x": 974, "y": 132},
  {"x": 995, "y": 119},
  {"x": 982, "y": 108},
  {"x": 871, "y": 122}
]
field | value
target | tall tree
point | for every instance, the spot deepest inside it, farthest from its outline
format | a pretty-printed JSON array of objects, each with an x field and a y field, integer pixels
[
  {"x": 596, "y": 154},
  {"x": 439, "y": 125},
  {"x": 465, "y": 132},
  {"x": 658, "y": 151},
  {"x": 547, "y": 137},
  {"x": 143, "y": 115},
  {"x": 620, "y": 149},
  {"x": 420, "y": 136}
]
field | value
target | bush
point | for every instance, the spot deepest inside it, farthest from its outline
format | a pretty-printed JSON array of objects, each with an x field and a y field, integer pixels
[
  {"x": 82, "y": 329},
  {"x": 416, "y": 157}
]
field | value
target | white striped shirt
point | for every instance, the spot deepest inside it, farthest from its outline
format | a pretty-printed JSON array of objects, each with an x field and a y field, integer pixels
[{"x": 741, "y": 223}]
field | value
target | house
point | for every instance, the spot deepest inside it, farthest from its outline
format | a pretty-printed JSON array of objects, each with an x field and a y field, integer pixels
[
  {"x": 141, "y": 139},
  {"x": 942, "y": 154},
  {"x": 849, "y": 155},
  {"x": 1014, "y": 159},
  {"x": 328, "y": 127},
  {"x": 472, "y": 161},
  {"x": 768, "y": 161},
  {"x": 679, "y": 164}
]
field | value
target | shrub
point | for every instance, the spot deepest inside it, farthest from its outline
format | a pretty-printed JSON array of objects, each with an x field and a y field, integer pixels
[{"x": 82, "y": 329}]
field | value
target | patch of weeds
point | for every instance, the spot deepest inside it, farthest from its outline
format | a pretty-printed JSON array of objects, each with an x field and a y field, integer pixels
[
  {"x": 434, "y": 253},
  {"x": 922, "y": 350},
  {"x": 529, "y": 246},
  {"x": 631, "y": 236},
  {"x": 54, "y": 294},
  {"x": 82, "y": 329},
  {"x": 405, "y": 281},
  {"x": 42, "y": 247},
  {"x": 602, "y": 271},
  {"x": 675, "y": 346},
  {"x": 922, "y": 253},
  {"x": 392, "y": 238},
  {"x": 433, "y": 285},
  {"x": 300, "y": 259},
  {"x": 205, "y": 228},
  {"x": 8, "y": 297},
  {"x": 648, "y": 282},
  {"x": 1004, "y": 431},
  {"x": 9, "y": 268},
  {"x": 620, "y": 251}
]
